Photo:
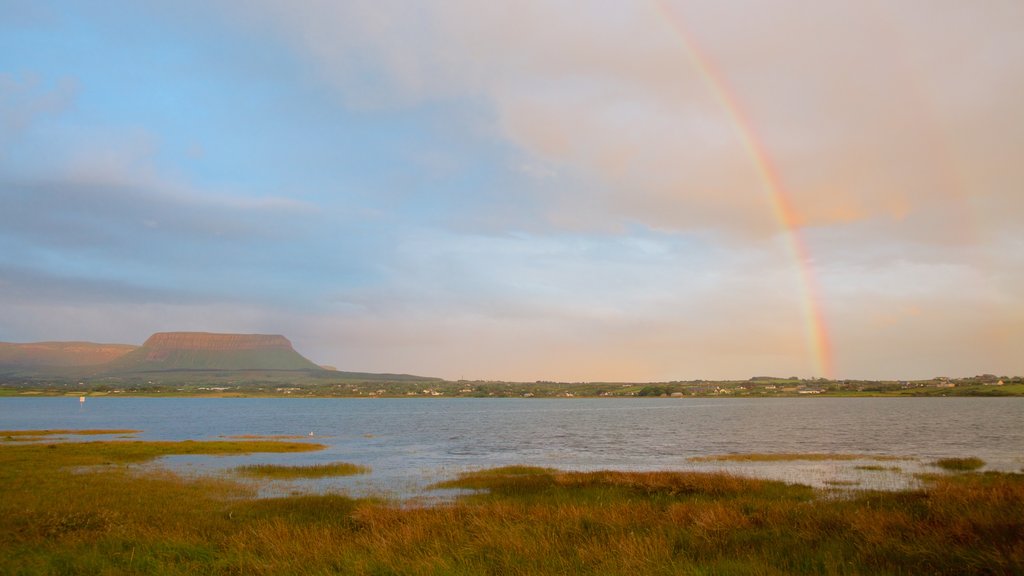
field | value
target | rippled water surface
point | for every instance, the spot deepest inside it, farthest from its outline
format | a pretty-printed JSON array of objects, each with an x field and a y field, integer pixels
[{"x": 410, "y": 443}]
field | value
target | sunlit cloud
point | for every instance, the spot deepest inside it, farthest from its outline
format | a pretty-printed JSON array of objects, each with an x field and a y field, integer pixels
[
  {"x": 610, "y": 90},
  {"x": 529, "y": 190}
]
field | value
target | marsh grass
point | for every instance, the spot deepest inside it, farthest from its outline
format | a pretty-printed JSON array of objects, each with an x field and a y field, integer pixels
[
  {"x": 37, "y": 435},
  {"x": 265, "y": 437},
  {"x": 959, "y": 464},
  {"x": 114, "y": 520},
  {"x": 795, "y": 457},
  {"x": 277, "y": 471},
  {"x": 64, "y": 432},
  {"x": 842, "y": 482},
  {"x": 877, "y": 468},
  {"x": 76, "y": 455}
]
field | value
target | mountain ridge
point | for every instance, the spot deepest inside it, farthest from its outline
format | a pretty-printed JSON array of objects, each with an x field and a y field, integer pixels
[
  {"x": 169, "y": 353},
  {"x": 60, "y": 354},
  {"x": 217, "y": 341},
  {"x": 174, "y": 351}
]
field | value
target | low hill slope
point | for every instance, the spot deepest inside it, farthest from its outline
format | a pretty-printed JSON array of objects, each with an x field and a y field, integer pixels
[
  {"x": 59, "y": 354},
  {"x": 175, "y": 351}
]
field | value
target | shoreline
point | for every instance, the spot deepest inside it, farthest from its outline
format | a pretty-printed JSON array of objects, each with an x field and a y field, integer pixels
[{"x": 8, "y": 392}]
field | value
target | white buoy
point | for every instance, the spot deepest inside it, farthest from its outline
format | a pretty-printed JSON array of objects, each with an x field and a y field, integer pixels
[{"x": 81, "y": 399}]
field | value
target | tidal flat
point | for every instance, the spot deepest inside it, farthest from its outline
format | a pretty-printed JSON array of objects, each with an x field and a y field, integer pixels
[{"x": 88, "y": 508}]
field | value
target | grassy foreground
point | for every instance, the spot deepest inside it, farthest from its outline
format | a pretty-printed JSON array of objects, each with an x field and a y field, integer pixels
[{"x": 76, "y": 509}]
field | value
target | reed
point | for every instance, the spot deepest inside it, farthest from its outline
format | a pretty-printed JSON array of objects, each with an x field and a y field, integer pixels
[
  {"x": 877, "y": 468},
  {"x": 794, "y": 457},
  {"x": 311, "y": 471},
  {"x": 57, "y": 517},
  {"x": 960, "y": 464},
  {"x": 35, "y": 433},
  {"x": 265, "y": 436}
]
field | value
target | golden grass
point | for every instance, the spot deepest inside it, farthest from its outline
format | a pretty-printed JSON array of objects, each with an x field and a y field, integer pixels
[
  {"x": 310, "y": 471},
  {"x": 791, "y": 457},
  {"x": 56, "y": 518}
]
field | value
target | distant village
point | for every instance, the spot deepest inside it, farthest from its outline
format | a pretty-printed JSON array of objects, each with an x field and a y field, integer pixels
[{"x": 328, "y": 384}]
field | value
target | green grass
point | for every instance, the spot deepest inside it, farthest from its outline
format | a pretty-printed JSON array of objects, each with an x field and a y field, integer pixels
[
  {"x": 960, "y": 464},
  {"x": 58, "y": 517},
  {"x": 311, "y": 471},
  {"x": 128, "y": 452}
]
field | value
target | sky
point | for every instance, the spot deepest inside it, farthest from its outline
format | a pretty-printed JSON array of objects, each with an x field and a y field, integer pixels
[{"x": 619, "y": 190}]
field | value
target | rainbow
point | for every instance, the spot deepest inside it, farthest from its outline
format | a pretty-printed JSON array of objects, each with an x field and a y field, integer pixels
[{"x": 816, "y": 329}]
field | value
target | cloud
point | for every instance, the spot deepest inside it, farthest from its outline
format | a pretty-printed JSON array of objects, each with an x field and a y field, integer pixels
[
  {"x": 894, "y": 151},
  {"x": 571, "y": 307},
  {"x": 27, "y": 286},
  {"x": 619, "y": 309},
  {"x": 131, "y": 322},
  {"x": 24, "y": 99},
  {"x": 103, "y": 185},
  {"x": 857, "y": 130},
  {"x": 532, "y": 190},
  {"x": 25, "y": 12},
  {"x": 105, "y": 221}
]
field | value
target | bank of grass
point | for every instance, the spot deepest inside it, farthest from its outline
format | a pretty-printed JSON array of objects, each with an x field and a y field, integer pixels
[
  {"x": 265, "y": 437},
  {"x": 35, "y": 436},
  {"x": 58, "y": 518},
  {"x": 137, "y": 451},
  {"x": 91, "y": 432},
  {"x": 877, "y": 468},
  {"x": 791, "y": 457},
  {"x": 960, "y": 464},
  {"x": 277, "y": 471}
]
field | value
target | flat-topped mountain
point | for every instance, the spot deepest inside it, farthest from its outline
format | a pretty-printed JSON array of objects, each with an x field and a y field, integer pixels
[
  {"x": 212, "y": 341},
  {"x": 60, "y": 354},
  {"x": 170, "y": 351},
  {"x": 173, "y": 356}
]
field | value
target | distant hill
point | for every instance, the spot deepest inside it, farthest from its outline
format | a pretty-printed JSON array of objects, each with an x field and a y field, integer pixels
[
  {"x": 175, "y": 356},
  {"x": 46, "y": 355},
  {"x": 177, "y": 351}
]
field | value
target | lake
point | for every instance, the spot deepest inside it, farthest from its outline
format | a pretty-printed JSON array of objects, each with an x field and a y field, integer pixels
[{"x": 411, "y": 443}]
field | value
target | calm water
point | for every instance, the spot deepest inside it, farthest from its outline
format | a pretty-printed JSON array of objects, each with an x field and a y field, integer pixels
[{"x": 411, "y": 443}]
